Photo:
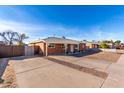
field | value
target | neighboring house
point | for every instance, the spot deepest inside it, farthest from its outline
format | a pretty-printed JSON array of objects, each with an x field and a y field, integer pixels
[
  {"x": 54, "y": 45},
  {"x": 92, "y": 44},
  {"x": 2, "y": 43},
  {"x": 111, "y": 45},
  {"x": 120, "y": 46}
]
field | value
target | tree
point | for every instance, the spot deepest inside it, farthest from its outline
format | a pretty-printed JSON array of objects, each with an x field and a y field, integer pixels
[
  {"x": 104, "y": 45},
  {"x": 8, "y": 36},
  {"x": 108, "y": 41},
  {"x": 117, "y": 42},
  {"x": 111, "y": 41},
  {"x": 20, "y": 38}
]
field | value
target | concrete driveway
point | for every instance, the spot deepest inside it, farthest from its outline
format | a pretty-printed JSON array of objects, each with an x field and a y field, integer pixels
[
  {"x": 84, "y": 61},
  {"x": 39, "y": 72}
]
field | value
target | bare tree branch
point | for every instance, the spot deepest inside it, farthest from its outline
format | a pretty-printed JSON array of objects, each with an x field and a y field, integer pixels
[
  {"x": 8, "y": 36},
  {"x": 20, "y": 38}
]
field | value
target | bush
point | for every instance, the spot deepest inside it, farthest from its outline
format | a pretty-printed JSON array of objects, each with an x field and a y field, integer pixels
[{"x": 104, "y": 45}]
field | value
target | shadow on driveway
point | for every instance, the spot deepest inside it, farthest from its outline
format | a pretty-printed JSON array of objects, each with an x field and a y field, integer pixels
[
  {"x": 92, "y": 71},
  {"x": 24, "y": 57}
]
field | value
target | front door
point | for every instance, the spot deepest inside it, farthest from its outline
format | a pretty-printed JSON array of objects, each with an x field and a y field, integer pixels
[{"x": 72, "y": 48}]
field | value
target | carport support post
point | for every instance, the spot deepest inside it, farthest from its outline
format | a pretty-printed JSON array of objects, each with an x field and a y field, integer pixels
[
  {"x": 65, "y": 48},
  {"x": 78, "y": 47},
  {"x": 46, "y": 49}
]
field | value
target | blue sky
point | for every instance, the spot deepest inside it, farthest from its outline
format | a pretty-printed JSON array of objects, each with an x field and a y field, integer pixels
[{"x": 75, "y": 22}]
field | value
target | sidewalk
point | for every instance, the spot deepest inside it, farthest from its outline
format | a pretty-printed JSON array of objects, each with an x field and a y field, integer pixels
[{"x": 116, "y": 75}]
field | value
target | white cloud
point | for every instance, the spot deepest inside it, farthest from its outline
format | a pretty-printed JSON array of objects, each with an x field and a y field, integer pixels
[
  {"x": 100, "y": 34},
  {"x": 36, "y": 31},
  {"x": 19, "y": 27}
]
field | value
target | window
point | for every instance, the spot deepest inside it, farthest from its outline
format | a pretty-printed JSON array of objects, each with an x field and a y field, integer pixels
[
  {"x": 51, "y": 45},
  {"x": 63, "y": 46}
]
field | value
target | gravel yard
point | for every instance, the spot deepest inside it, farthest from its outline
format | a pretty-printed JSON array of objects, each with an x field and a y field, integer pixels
[
  {"x": 113, "y": 57},
  {"x": 9, "y": 77}
]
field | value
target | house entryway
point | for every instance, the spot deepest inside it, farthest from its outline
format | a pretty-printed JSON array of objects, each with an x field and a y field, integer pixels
[{"x": 72, "y": 48}]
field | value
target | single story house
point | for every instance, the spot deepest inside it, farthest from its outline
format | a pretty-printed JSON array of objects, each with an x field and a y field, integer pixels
[
  {"x": 111, "y": 45},
  {"x": 120, "y": 46},
  {"x": 55, "y": 45},
  {"x": 92, "y": 44}
]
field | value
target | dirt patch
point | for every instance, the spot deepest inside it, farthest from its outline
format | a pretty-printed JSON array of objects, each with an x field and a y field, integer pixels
[
  {"x": 9, "y": 77},
  {"x": 113, "y": 57}
]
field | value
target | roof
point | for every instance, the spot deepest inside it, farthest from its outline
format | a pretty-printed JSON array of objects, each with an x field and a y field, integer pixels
[
  {"x": 58, "y": 40},
  {"x": 93, "y": 42},
  {"x": 110, "y": 43},
  {"x": 36, "y": 41}
]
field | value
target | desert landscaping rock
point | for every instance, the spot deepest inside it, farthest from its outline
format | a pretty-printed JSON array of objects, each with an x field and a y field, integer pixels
[
  {"x": 108, "y": 56},
  {"x": 9, "y": 77}
]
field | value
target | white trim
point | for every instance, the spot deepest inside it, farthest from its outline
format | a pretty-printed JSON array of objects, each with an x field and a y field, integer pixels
[
  {"x": 78, "y": 47},
  {"x": 72, "y": 48},
  {"x": 46, "y": 49},
  {"x": 65, "y": 48},
  {"x": 38, "y": 41}
]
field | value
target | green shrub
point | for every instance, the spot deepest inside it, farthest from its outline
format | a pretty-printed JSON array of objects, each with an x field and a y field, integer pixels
[{"x": 104, "y": 45}]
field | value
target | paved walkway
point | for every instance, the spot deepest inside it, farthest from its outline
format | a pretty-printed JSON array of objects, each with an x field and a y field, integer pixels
[{"x": 116, "y": 75}]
